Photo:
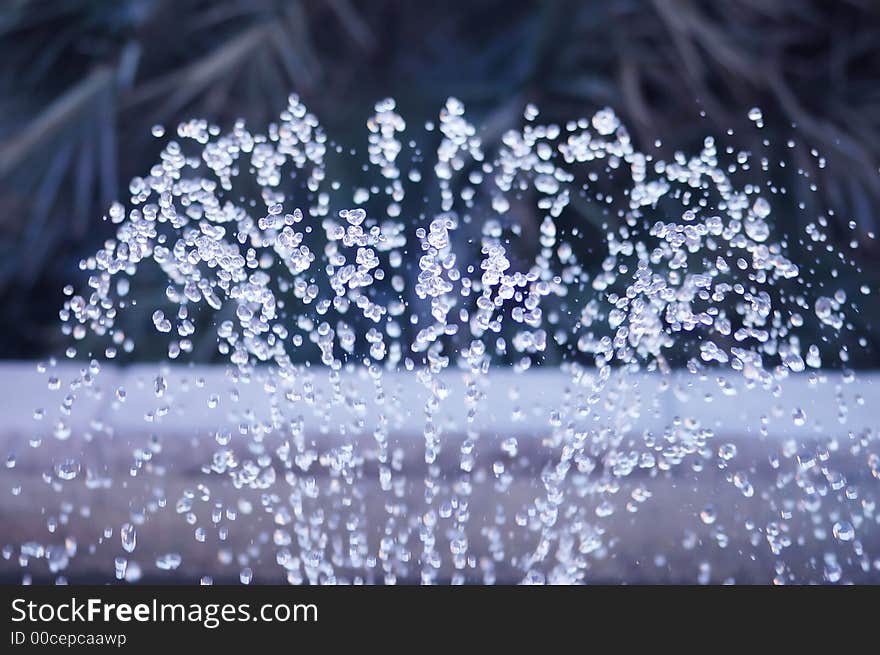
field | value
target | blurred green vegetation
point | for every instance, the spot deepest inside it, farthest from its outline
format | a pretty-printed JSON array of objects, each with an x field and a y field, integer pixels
[{"x": 84, "y": 80}]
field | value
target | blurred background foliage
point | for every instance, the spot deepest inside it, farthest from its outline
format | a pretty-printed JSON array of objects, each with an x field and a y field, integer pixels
[{"x": 82, "y": 82}]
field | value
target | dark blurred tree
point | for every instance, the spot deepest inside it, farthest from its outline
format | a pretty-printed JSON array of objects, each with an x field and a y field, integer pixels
[{"x": 84, "y": 80}]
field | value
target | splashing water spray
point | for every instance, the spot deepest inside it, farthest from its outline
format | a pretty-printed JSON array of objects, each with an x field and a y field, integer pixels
[{"x": 569, "y": 412}]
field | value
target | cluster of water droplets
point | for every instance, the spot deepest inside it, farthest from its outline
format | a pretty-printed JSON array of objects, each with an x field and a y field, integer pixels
[{"x": 428, "y": 297}]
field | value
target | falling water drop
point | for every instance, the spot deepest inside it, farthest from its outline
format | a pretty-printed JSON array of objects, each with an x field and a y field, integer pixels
[{"x": 128, "y": 535}]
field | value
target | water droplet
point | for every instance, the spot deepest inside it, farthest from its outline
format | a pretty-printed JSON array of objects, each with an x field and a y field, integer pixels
[
  {"x": 128, "y": 534},
  {"x": 844, "y": 531},
  {"x": 708, "y": 515},
  {"x": 169, "y": 561},
  {"x": 67, "y": 469}
]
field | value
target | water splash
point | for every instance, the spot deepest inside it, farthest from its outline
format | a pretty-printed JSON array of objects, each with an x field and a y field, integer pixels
[{"x": 420, "y": 293}]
